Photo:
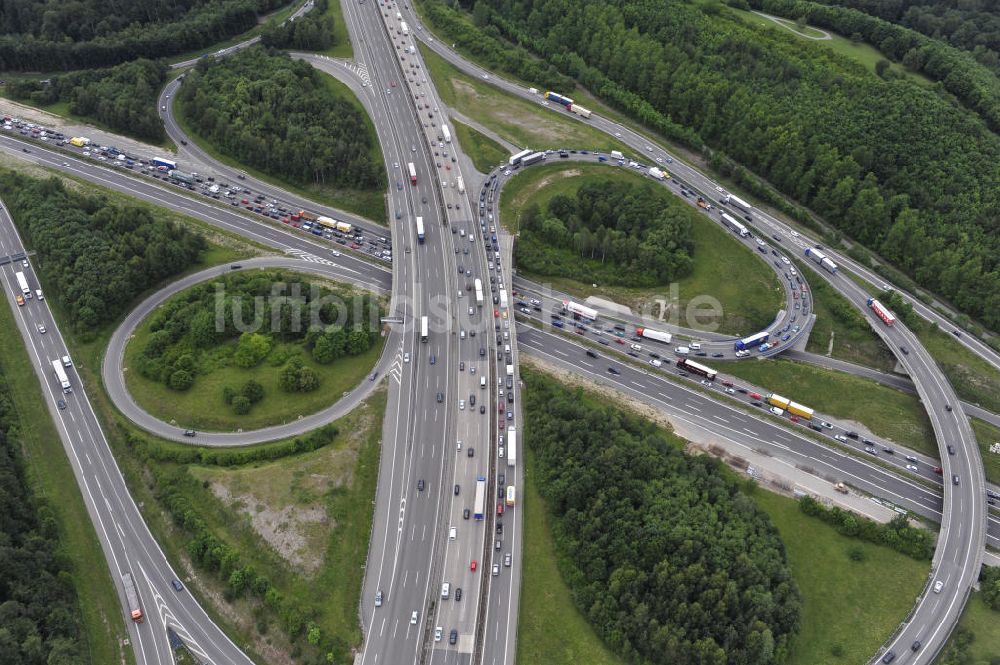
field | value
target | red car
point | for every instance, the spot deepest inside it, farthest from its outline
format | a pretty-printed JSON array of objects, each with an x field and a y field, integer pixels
[
  {"x": 728, "y": 384},
  {"x": 619, "y": 340},
  {"x": 754, "y": 396},
  {"x": 496, "y": 313},
  {"x": 937, "y": 470},
  {"x": 794, "y": 418},
  {"x": 472, "y": 566},
  {"x": 499, "y": 507},
  {"x": 393, "y": 84},
  {"x": 355, "y": 245}
]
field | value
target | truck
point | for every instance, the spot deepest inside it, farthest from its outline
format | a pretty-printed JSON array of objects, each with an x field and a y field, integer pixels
[
  {"x": 163, "y": 164},
  {"x": 214, "y": 189},
  {"x": 777, "y": 400},
  {"x": 888, "y": 318},
  {"x": 578, "y": 310},
  {"x": 479, "y": 292},
  {"x": 532, "y": 158},
  {"x": 510, "y": 370},
  {"x": 461, "y": 185},
  {"x": 702, "y": 203},
  {"x": 737, "y": 202},
  {"x": 696, "y": 368},
  {"x": 446, "y": 133},
  {"x": 413, "y": 172},
  {"x": 181, "y": 177},
  {"x": 558, "y": 99},
  {"x": 405, "y": 28},
  {"x": 516, "y": 159},
  {"x": 57, "y": 369},
  {"x": 657, "y": 173},
  {"x": 656, "y": 335},
  {"x": 423, "y": 328},
  {"x": 328, "y": 222},
  {"x": 579, "y": 110},
  {"x": 304, "y": 215},
  {"x": 617, "y": 154},
  {"x": 800, "y": 411},
  {"x": 23, "y": 283},
  {"x": 751, "y": 341},
  {"x": 477, "y": 510},
  {"x": 79, "y": 141},
  {"x": 510, "y": 496},
  {"x": 819, "y": 257},
  {"x": 503, "y": 298},
  {"x": 420, "y": 230},
  {"x": 511, "y": 446},
  {"x": 736, "y": 226},
  {"x": 135, "y": 609}
]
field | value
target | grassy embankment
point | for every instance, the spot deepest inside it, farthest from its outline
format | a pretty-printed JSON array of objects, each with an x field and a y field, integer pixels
[{"x": 747, "y": 304}]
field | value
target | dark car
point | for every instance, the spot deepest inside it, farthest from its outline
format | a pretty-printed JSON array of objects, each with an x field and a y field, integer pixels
[
  {"x": 453, "y": 637},
  {"x": 465, "y": 514},
  {"x": 591, "y": 354},
  {"x": 440, "y": 397},
  {"x": 458, "y": 594},
  {"x": 177, "y": 585},
  {"x": 951, "y": 449},
  {"x": 471, "y": 452},
  {"x": 189, "y": 432},
  {"x": 62, "y": 405},
  {"x": 887, "y": 658},
  {"x": 915, "y": 646},
  {"x": 612, "y": 370},
  {"x": 457, "y": 488}
]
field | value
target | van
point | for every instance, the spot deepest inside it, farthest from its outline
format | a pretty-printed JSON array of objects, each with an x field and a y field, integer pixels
[
  {"x": 695, "y": 346},
  {"x": 682, "y": 350},
  {"x": 453, "y": 532},
  {"x": 617, "y": 154},
  {"x": 482, "y": 382},
  {"x": 445, "y": 591}
]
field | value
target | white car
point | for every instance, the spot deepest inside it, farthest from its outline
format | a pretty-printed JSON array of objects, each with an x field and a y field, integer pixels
[
  {"x": 655, "y": 363},
  {"x": 461, "y": 404},
  {"x": 437, "y": 633},
  {"x": 938, "y": 586},
  {"x": 795, "y": 234},
  {"x": 841, "y": 437},
  {"x": 635, "y": 347},
  {"x": 413, "y": 618},
  {"x": 784, "y": 259},
  {"x": 776, "y": 411},
  {"x": 911, "y": 467},
  {"x": 406, "y": 357},
  {"x": 41, "y": 328}
]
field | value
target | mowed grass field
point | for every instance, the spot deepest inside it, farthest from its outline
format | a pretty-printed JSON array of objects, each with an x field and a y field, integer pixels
[
  {"x": 747, "y": 290},
  {"x": 886, "y": 412},
  {"x": 484, "y": 152},
  {"x": 848, "y": 607}
]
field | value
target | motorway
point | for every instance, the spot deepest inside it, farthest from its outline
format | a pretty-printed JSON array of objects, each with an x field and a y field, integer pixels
[
  {"x": 958, "y": 556},
  {"x": 409, "y": 561}
]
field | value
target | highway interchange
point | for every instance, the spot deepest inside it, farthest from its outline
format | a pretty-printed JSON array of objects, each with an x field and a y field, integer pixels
[{"x": 410, "y": 555}]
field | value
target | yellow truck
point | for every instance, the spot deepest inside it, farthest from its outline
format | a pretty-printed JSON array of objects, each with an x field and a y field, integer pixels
[
  {"x": 799, "y": 410},
  {"x": 777, "y": 400},
  {"x": 79, "y": 141}
]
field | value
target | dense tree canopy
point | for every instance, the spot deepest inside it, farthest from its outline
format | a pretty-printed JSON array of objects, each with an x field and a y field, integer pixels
[
  {"x": 98, "y": 253},
  {"x": 49, "y": 35},
  {"x": 123, "y": 97},
  {"x": 616, "y": 233},
  {"x": 667, "y": 558},
  {"x": 901, "y": 168},
  {"x": 278, "y": 115},
  {"x": 206, "y": 326},
  {"x": 312, "y": 32},
  {"x": 38, "y": 605}
]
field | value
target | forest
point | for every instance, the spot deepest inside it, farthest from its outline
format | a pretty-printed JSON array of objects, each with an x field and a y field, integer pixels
[
  {"x": 193, "y": 333},
  {"x": 46, "y": 36},
  {"x": 902, "y": 169},
  {"x": 971, "y": 25},
  {"x": 613, "y": 232},
  {"x": 98, "y": 253},
  {"x": 669, "y": 560},
  {"x": 38, "y": 605},
  {"x": 278, "y": 115},
  {"x": 312, "y": 32},
  {"x": 122, "y": 98}
]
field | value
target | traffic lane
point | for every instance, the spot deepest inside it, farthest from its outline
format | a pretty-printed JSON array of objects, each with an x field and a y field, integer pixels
[
  {"x": 269, "y": 235},
  {"x": 87, "y": 439}
]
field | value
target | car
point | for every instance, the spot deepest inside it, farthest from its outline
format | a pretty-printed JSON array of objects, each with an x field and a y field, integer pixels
[
  {"x": 912, "y": 467},
  {"x": 888, "y": 451},
  {"x": 496, "y": 569},
  {"x": 471, "y": 452},
  {"x": 889, "y": 657},
  {"x": 378, "y": 598},
  {"x": 473, "y": 565},
  {"x": 951, "y": 449},
  {"x": 41, "y": 328},
  {"x": 840, "y": 437},
  {"x": 612, "y": 370},
  {"x": 947, "y": 407},
  {"x": 20, "y": 300},
  {"x": 438, "y": 632},
  {"x": 905, "y": 351},
  {"x": 507, "y": 558},
  {"x": 434, "y": 359},
  {"x": 189, "y": 433},
  {"x": 413, "y": 618},
  {"x": 453, "y": 636},
  {"x": 852, "y": 435},
  {"x": 482, "y": 408},
  {"x": 61, "y": 404},
  {"x": 177, "y": 585},
  {"x": 406, "y": 357},
  {"x": 954, "y": 479},
  {"x": 420, "y": 485},
  {"x": 465, "y": 514},
  {"x": 938, "y": 585},
  {"x": 915, "y": 646},
  {"x": 871, "y": 450},
  {"x": 440, "y": 398}
]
